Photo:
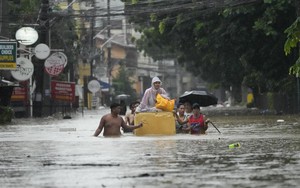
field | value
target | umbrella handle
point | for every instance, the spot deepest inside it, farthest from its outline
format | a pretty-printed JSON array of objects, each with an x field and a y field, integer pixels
[{"x": 214, "y": 126}]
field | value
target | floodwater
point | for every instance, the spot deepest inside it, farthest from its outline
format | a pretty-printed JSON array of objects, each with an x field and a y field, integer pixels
[{"x": 53, "y": 152}]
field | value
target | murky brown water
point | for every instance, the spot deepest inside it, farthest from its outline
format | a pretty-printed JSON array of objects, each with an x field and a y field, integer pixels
[{"x": 51, "y": 153}]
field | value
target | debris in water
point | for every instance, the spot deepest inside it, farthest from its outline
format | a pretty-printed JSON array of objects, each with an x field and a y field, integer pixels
[
  {"x": 235, "y": 145},
  {"x": 67, "y": 129}
]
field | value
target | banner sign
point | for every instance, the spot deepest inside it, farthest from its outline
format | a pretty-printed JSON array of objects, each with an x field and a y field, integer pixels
[
  {"x": 63, "y": 91},
  {"x": 8, "y": 55},
  {"x": 20, "y": 93}
]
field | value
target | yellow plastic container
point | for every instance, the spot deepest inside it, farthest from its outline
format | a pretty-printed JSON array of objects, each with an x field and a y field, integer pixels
[{"x": 155, "y": 123}]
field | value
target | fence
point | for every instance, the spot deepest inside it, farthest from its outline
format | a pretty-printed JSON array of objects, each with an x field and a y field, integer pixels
[{"x": 277, "y": 103}]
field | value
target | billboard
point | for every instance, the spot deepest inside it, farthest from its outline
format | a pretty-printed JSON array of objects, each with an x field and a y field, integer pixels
[
  {"x": 63, "y": 91},
  {"x": 8, "y": 55}
]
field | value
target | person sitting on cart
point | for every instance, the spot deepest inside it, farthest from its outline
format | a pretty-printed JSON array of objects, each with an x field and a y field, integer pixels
[
  {"x": 197, "y": 122},
  {"x": 149, "y": 99}
]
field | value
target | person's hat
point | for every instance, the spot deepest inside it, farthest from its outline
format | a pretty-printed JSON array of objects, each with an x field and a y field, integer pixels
[
  {"x": 196, "y": 105},
  {"x": 155, "y": 79}
]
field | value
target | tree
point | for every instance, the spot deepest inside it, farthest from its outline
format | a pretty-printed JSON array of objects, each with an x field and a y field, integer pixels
[
  {"x": 123, "y": 85},
  {"x": 230, "y": 44},
  {"x": 22, "y": 12},
  {"x": 293, "y": 38}
]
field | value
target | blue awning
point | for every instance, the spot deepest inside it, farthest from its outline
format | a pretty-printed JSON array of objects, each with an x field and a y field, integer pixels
[{"x": 104, "y": 85}]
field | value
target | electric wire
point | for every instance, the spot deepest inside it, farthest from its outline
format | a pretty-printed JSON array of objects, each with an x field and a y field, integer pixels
[{"x": 143, "y": 8}]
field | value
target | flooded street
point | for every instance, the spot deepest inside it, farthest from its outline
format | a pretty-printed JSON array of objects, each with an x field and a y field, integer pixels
[{"x": 63, "y": 153}]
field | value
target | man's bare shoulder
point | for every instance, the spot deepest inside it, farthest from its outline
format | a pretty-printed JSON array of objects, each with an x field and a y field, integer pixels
[
  {"x": 106, "y": 116},
  {"x": 110, "y": 116}
]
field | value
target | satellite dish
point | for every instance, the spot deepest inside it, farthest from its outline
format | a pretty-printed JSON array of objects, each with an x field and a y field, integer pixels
[{"x": 27, "y": 36}]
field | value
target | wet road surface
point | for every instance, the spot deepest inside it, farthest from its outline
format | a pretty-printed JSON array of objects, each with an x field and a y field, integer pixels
[{"x": 63, "y": 153}]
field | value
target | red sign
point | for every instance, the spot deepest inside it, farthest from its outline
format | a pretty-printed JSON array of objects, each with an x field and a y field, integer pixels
[
  {"x": 54, "y": 65},
  {"x": 63, "y": 91},
  {"x": 20, "y": 93}
]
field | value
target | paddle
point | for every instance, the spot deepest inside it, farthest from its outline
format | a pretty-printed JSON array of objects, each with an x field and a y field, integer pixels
[{"x": 215, "y": 126}]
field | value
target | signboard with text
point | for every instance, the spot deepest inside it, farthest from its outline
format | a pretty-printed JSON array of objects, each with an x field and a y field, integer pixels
[
  {"x": 20, "y": 93},
  {"x": 63, "y": 91},
  {"x": 8, "y": 55}
]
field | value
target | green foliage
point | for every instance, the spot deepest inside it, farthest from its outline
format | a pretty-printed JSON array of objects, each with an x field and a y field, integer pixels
[
  {"x": 295, "y": 69},
  {"x": 255, "y": 80},
  {"x": 293, "y": 36},
  {"x": 270, "y": 16},
  {"x": 25, "y": 12},
  {"x": 63, "y": 36},
  {"x": 134, "y": 1},
  {"x": 6, "y": 114},
  {"x": 153, "y": 17},
  {"x": 228, "y": 46},
  {"x": 162, "y": 26},
  {"x": 123, "y": 85}
]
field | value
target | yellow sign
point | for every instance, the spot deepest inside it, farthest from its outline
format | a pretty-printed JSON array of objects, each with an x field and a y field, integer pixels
[
  {"x": 8, "y": 55},
  {"x": 8, "y": 66}
]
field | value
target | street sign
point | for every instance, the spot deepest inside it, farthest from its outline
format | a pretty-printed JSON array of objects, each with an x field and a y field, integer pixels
[
  {"x": 63, "y": 91},
  {"x": 94, "y": 86},
  {"x": 54, "y": 65},
  {"x": 24, "y": 69},
  {"x": 8, "y": 55},
  {"x": 27, "y": 36},
  {"x": 61, "y": 56},
  {"x": 42, "y": 51}
]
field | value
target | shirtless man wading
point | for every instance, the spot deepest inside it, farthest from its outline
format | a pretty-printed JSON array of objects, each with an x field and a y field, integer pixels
[{"x": 113, "y": 122}]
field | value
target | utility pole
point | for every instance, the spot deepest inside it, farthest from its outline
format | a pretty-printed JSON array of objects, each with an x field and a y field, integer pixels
[
  {"x": 297, "y": 5},
  {"x": 109, "y": 51},
  {"x": 71, "y": 64},
  {"x": 42, "y": 92},
  {"x": 92, "y": 46}
]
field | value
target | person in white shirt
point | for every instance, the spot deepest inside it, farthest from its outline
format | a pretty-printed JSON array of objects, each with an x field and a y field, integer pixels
[{"x": 149, "y": 99}]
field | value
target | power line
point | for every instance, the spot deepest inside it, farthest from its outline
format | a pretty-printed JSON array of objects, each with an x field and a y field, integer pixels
[
  {"x": 157, "y": 6},
  {"x": 144, "y": 9}
]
